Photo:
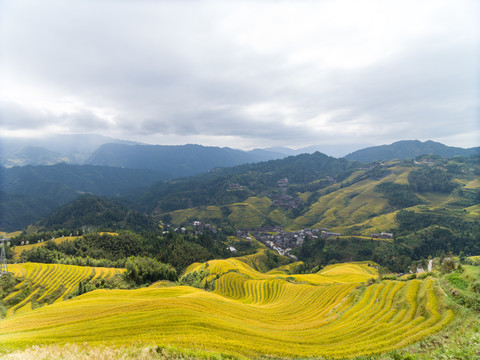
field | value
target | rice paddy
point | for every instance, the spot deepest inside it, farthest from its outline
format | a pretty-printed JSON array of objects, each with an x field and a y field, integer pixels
[
  {"x": 48, "y": 283},
  {"x": 17, "y": 250},
  {"x": 248, "y": 313},
  {"x": 346, "y": 206}
]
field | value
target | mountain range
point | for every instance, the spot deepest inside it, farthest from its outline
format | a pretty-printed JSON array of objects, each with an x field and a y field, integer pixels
[
  {"x": 205, "y": 175},
  {"x": 427, "y": 207},
  {"x": 187, "y": 160},
  {"x": 175, "y": 160}
]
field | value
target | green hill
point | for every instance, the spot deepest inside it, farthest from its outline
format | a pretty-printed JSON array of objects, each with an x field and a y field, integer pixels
[
  {"x": 365, "y": 200},
  {"x": 410, "y": 200},
  {"x": 409, "y": 149},
  {"x": 31, "y": 192}
]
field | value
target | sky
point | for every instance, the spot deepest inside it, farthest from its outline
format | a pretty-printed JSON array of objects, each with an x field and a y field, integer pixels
[{"x": 242, "y": 74}]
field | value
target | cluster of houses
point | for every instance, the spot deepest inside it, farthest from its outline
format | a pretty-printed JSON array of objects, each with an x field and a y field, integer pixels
[
  {"x": 284, "y": 200},
  {"x": 235, "y": 187},
  {"x": 284, "y": 242},
  {"x": 429, "y": 162},
  {"x": 198, "y": 226},
  {"x": 382, "y": 235},
  {"x": 281, "y": 241}
]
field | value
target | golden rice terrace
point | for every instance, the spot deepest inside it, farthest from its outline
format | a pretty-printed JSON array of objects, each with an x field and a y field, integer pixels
[{"x": 334, "y": 313}]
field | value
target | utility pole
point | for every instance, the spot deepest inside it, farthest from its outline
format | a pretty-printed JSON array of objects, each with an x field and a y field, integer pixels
[{"x": 3, "y": 258}]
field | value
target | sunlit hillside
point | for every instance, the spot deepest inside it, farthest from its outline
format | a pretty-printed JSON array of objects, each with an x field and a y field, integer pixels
[
  {"x": 17, "y": 250},
  {"x": 43, "y": 284},
  {"x": 246, "y": 313},
  {"x": 355, "y": 205}
]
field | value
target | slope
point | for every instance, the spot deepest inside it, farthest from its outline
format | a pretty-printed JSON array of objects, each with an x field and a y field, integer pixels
[
  {"x": 175, "y": 160},
  {"x": 360, "y": 202},
  {"x": 31, "y": 192},
  {"x": 48, "y": 283},
  {"x": 249, "y": 314},
  {"x": 408, "y": 149}
]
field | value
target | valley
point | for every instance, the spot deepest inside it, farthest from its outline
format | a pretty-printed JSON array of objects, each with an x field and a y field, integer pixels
[
  {"x": 239, "y": 180},
  {"x": 303, "y": 257}
]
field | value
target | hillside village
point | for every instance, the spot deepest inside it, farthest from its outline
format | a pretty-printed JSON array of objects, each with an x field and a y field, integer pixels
[{"x": 283, "y": 242}]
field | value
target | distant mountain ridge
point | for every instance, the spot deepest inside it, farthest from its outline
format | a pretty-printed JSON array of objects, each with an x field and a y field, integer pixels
[
  {"x": 409, "y": 149},
  {"x": 53, "y": 149},
  {"x": 175, "y": 160},
  {"x": 28, "y": 192}
]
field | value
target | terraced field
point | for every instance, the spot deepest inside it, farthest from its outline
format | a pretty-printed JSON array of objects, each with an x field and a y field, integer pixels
[
  {"x": 48, "y": 283},
  {"x": 17, "y": 250},
  {"x": 249, "y": 313},
  {"x": 475, "y": 259},
  {"x": 350, "y": 205},
  {"x": 353, "y": 206}
]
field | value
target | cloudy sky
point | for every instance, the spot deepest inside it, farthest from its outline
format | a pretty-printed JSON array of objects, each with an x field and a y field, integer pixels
[{"x": 243, "y": 74}]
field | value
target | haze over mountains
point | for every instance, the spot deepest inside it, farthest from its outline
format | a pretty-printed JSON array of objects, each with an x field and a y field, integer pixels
[
  {"x": 176, "y": 161},
  {"x": 409, "y": 149},
  {"x": 143, "y": 173},
  {"x": 186, "y": 160},
  {"x": 53, "y": 149}
]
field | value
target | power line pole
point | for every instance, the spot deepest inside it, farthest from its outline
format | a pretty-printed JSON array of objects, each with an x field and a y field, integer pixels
[{"x": 3, "y": 258}]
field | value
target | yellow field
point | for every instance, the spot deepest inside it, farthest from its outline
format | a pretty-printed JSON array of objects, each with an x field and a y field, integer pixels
[
  {"x": 250, "y": 213},
  {"x": 10, "y": 235},
  {"x": 345, "y": 206},
  {"x": 474, "y": 184},
  {"x": 49, "y": 283},
  {"x": 401, "y": 174},
  {"x": 188, "y": 215},
  {"x": 378, "y": 224},
  {"x": 352, "y": 205},
  {"x": 475, "y": 259},
  {"x": 249, "y": 314},
  {"x": 17, "y": 250}
]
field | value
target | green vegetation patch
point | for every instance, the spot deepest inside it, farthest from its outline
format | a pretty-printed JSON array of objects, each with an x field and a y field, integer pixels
[{"x": 457, "y": 281}]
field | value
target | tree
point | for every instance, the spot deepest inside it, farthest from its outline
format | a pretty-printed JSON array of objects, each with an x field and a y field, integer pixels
[{"x": 143, "y": 270}]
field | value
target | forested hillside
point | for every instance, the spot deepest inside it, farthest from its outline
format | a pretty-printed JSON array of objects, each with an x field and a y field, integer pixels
[
  {"x": 174, "y": 161},
  {"x": 427, "y": 206},
  {"x": 228, "y": 185},
  {"x": 31, "y": 192},
  {"x": 409, "y": 149}
]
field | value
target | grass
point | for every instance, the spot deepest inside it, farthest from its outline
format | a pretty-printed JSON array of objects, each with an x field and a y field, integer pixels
[
  {"x": 87, "y": 352},
  {"x": 473, "y": 210},
  {"x": 401, "y": 174}
]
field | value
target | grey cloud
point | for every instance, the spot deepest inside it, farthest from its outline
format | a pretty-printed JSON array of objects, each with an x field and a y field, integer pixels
[
  {"x": 164, "y": 68},
  {"x": 83, "y": 121},
  {"x": 14, "y": 116}
]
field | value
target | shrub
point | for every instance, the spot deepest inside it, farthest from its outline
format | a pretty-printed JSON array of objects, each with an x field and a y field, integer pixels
[
  {"x": 476, "y": 286},
  {"x": 144, "y": 270},
  {"x": 196, "y": 278}
]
